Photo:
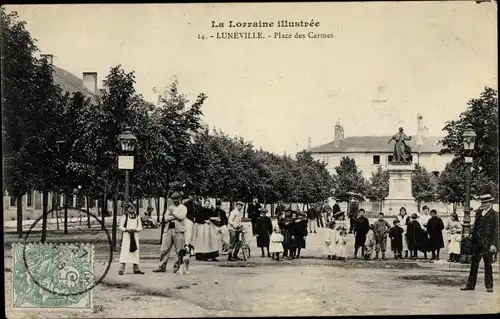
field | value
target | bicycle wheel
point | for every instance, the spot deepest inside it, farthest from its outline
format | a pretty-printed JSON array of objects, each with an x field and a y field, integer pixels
[{"x": 247, "y": 251}]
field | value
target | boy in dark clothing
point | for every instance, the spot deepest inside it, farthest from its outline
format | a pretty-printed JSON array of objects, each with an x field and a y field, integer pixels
[
  {"x": 416, "y": 237},
  {"x": 380, "y": 230},
  {"x": 396, "y": 236},
  {"x": 361, "y": 227},
  {"x": 263, "y": 231}
]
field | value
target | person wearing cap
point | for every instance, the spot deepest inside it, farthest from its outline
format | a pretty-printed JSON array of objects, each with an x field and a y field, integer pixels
[
  {"x": 380, "y": 229},
  {"x": 130, "y": 225},
  {"x": 435, "y": 227},
  {"x": 300, "y": 230},
  {"x": 263, "y": 231},
  {"x": 353, "y": 214},
  {"x": 396, "y": 236},
  {"x": 361, "y": 228},
  {"x": 484, "y": 243},
  {"x": 253, "y": 211},
  {"x": 223, "y": 231},
  {"x": 173, "y": 232},
  {"x": 454, "y": 228},
  {"x": 235, "y": 228}
]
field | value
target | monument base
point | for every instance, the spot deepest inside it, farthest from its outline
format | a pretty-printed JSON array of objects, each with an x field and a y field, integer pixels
[{"x": 400, "y": 188}]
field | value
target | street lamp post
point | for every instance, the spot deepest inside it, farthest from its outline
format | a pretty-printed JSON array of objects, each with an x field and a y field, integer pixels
[
  {"x": 469, "y": 138},
  {"x": 125, "y": 162}
]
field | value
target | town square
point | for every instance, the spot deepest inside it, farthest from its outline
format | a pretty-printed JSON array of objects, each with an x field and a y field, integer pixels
[{"x": 155, "y": 169}]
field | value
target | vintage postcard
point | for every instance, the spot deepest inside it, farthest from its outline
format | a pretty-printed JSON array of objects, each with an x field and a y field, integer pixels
[{"x": 250, "y": 159}]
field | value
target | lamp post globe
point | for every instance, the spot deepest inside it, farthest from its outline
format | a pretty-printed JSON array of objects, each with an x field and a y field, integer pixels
[{"x": 127, "y": 140}]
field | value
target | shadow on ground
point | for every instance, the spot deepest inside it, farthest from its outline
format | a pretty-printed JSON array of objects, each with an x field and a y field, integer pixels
[{"x": 440, "y": 280}]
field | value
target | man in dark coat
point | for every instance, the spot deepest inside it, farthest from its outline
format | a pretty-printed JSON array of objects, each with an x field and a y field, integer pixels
[
  {"x": 353, "y": 214},
  {"x": 253, "y": 212},
  {"x": 484, "y": 243},
  {"x": 263, "y": 230},
  {"x": 280, "y": 208},
  {"x": 435, "y": 228},
  {"x": 311, "y": 216},
  {"x": 361, "y": 228}
]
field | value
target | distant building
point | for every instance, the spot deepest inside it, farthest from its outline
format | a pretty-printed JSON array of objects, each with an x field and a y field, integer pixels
[{"x": 370, "y": 152}]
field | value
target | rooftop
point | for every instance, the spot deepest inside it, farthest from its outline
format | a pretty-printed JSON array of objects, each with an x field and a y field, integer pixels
[
  {"x": 70, "y": 83},
  {"x": 378, "y": 144}
]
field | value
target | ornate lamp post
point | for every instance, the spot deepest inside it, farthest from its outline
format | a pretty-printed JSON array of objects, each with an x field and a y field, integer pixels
[
  {"x": 469, "y": 138},
  {"x": 125, "y": 162}
]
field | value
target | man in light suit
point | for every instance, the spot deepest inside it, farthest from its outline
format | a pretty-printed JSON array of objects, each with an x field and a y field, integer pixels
[
  {"x": 174, "y": 231},
  {"x": 484, "y": 243}
]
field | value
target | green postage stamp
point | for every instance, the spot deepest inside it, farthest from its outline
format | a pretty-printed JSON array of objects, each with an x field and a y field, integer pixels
[{"x": 52, "y": 276}]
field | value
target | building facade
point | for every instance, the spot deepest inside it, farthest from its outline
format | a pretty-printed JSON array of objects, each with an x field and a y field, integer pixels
[{"x": 371, "y": 152}]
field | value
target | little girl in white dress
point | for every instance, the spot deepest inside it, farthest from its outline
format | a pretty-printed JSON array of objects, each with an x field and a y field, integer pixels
[{"x": 276, "y": 243}]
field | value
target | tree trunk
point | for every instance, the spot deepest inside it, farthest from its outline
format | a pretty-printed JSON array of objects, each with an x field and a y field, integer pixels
[
  {"x": 158, "y": 209},
  {"x": 454, "y": 207},
  {"x": 419, "y": 204},
  {"x": 137, "y": 207},
  {"x": 57, "y": 210},
  {"x": 45, "y": 199},
  {"x": 104, "y": 209},
  {"x": 115, "y": 218},
  {"x": 88, "y": 211},
  {"x": 19, "y": 202},
  {"x": 66, "y": 213}
]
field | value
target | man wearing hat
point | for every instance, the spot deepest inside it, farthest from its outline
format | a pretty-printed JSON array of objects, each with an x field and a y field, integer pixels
[
  {"x": 235, "y": 227},
  {"x": 253, "y": 211},
  {"x": 484, "y": 243},
  {"x": 353, "y": 214},
  {"x": 174, "y": 231}
]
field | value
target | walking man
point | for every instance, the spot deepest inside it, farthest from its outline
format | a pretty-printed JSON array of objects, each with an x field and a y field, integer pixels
[
  {"x": 484, "y": 243},
  {"x": 174, "y": 231}
]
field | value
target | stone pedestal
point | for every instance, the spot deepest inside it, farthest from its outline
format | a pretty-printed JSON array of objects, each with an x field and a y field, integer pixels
[{"x": 399, "y": 189}]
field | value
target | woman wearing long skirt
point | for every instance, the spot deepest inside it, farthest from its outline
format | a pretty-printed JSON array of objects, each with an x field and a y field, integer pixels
[
  {"x": 130, "y": 225},
  {"x": 206, "y": 238},
  {"x": 435, "y": 228}
]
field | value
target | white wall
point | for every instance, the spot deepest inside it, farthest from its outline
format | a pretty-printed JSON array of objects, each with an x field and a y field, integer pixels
[{"x": 364, "y": 161}]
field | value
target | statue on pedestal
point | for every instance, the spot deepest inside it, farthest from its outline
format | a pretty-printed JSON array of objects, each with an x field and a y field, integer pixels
[{"x": 402, "y": 152}]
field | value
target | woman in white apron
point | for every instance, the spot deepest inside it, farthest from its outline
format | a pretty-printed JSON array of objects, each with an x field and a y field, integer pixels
[
  {"x": 403, "y": 222},
  {"x": 130, "y": 225}
]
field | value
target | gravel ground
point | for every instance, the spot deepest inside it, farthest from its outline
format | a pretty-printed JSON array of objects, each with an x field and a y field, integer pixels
[{"x": 262, "y": 287}]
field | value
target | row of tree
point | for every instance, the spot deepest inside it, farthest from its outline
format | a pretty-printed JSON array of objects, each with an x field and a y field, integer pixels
[{"x": 56, "y": 142}]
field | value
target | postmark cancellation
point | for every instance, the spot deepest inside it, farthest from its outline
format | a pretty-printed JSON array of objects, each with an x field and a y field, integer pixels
[{"x": 53, "y": 276}]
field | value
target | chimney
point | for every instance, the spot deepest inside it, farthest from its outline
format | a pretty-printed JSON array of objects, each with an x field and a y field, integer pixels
[
  {"x": 339, "y": 134},
  {"x": 48, "y": 57},
  {"x": 90, "y": 81}
]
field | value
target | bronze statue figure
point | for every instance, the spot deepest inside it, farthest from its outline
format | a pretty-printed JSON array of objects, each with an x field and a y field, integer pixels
[{"x": 402, "y": 152}]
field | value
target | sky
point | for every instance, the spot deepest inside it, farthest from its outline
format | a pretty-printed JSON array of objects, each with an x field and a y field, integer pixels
[{"x": 386, "y": 63}]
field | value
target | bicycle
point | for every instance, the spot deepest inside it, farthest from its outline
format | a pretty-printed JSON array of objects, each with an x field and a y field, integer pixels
[{"x": 244, "y": 247}]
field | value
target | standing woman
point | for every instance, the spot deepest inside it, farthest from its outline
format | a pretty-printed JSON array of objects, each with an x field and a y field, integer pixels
[
  {"x": 404, "y": 220},
  {"x": 263, "y": 231},
  {"x": 130, "y": 225},
  {"x": 435, "y": 228},
  {"x": 205, "y": 234}
]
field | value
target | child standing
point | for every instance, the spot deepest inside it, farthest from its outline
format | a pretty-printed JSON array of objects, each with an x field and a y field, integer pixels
[
  {"x": 396, "y": 236},
  {"x": 276, "y": 243},
  {"x": 342, "y": 243},
  {"x": 130, "y": 225},
  {"x": 330, "y": 241},
  {"x": 369, "y": 243},
  {"x": 380, "y": 230},
  {"x": 454, "y": 238},
  {"x": 416, "y": 237},
  {"x": 263, "y": 230}
]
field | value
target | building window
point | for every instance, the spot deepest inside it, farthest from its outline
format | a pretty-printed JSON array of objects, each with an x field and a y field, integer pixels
[
  {"x": 12, "y": 200},
  {"x": 376, "y": 159},
  {"x": 436, "y": 173},
  {"x": 29, "y": 200},
  {"x": 390, "y": 157}
]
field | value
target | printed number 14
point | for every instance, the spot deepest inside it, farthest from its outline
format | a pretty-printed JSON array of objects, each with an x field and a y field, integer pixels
[{"x": 201, "y": 37}]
